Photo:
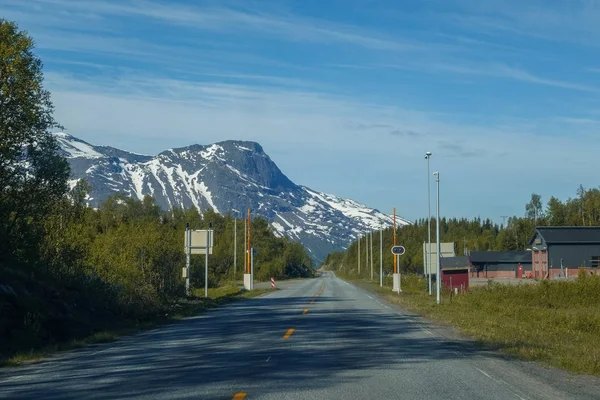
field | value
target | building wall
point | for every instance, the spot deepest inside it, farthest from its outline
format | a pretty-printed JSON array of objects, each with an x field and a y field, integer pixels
[
  {"x": 491, "y": 270},
  {"x": 573, "y": 255},
  {"x": 460, "y": 279},
  {"x": 496, "y": 274}
]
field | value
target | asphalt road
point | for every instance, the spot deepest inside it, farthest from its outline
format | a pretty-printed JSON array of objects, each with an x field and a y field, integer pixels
[{"x": 314, "y": 339}]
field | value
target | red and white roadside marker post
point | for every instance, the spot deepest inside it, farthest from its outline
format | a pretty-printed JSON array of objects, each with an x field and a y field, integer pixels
[{"x": 272, "y": 283}]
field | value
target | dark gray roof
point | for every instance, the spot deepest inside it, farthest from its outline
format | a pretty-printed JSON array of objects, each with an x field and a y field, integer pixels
[
  {"x": 500, "y": 257},
  {"x": 455, "y": 262},
  {"x": 569, "y": 234}
]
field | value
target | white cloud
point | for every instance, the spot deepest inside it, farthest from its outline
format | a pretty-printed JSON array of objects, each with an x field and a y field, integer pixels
[
  {"x": 346, "y": 145},
  {"x": 307, "y": 135},
  {"x": 574, "y": 21},
  {"x": 229, "y": 19},
  {"x": 183, "y": 112}
]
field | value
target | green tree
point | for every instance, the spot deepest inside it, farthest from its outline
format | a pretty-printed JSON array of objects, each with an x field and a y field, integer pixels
[
  {"x": 533, "y": 209},
  {"x": 33, "y": 176}
]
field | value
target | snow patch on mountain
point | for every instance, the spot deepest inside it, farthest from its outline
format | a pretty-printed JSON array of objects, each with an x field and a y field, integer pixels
[{"x": 225, "y": 176}]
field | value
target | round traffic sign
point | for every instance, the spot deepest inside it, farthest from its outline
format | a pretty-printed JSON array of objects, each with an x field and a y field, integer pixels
[{"x": 398, "y": 250}]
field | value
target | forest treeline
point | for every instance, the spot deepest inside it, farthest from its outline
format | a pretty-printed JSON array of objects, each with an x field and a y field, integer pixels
[
  {"x": 67, "y": 270},
  {"x": 470, "y": 234}
]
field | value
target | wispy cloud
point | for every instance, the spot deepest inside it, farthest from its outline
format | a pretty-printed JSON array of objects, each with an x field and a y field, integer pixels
[
  {"x": 460, "y": 150},
  {"x": 569, "y": 21},
  {"x": 505, "y": 71},
  {"x": 325, "y": 94},
  {"x": 405, "y": 133},
  {"x": 222, "y": 19}
]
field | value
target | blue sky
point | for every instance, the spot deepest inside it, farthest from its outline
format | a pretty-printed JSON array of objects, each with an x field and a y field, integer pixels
[{"x": 345, "y": 96}]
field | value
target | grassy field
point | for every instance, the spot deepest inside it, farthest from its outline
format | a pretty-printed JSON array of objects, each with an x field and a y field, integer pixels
[
  {"x": 556, "y": 323},
  {"x": 181, "y": 309}
]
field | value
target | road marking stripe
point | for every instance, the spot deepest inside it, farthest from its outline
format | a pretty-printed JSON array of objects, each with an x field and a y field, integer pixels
[
  {"x": 499, "y": 381},
  {"x": 288, "y": 333},
  {"x": 239, "y": 396},
  {"x": 305, "y": 310},
  {"x": 370, "y": 297}
]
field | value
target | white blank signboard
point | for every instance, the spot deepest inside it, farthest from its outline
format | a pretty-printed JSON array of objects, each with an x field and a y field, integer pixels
[{"x": 198, "y": 241}]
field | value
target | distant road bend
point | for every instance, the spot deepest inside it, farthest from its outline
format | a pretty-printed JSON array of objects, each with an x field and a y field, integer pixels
[{"x": 314, "y": 339}]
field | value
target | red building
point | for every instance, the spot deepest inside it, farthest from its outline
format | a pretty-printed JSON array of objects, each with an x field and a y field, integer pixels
[{"x": 455, "y": 273}]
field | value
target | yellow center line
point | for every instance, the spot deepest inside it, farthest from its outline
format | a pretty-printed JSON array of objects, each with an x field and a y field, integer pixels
[
  {"x": 288, "y": 333},
  {"x": 239, "y": 396}
]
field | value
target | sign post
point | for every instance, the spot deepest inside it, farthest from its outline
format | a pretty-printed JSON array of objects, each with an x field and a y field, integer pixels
[
  {"x": 197, "y": 242},
  {"x": 188, "y": 252},
  {"x": 397, "y": 251}
]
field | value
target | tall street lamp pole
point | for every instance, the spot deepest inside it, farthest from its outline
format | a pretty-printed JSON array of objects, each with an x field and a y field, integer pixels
[
  {"x": 381, "y": 256},
  {"x": 371, "y": 253},
  {"x": 438, "y": 277},
  {"x": 428, "y": 156},
  {"x": 235, "y": 212}
]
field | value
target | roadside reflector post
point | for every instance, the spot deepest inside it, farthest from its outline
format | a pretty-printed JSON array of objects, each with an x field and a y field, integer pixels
[
  {"x": 272, "y": 282},
  {"x": 249, "y": 270},
  {"x": 397, "y": 251}
]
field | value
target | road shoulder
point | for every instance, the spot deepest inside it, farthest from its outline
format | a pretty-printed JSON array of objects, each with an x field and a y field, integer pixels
[{"x": 511, "y": 369}]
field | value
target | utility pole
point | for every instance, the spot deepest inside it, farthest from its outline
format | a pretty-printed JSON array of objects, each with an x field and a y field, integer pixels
[
  {"x": 371, "y": 246},
  {"x": 438, "y": 276},
  {"x": 395, "y": 264},
  {"x": 366, "y": 250},
  {"x": 234, "y": 248},
  {"x": 358, "y": 255},
  {"x": 428, "y": 156},
  {"x": 248, "y": 246},
  {"x": 381, "y": 256}
]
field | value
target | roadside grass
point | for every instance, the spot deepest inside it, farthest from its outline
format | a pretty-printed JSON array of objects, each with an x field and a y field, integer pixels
[
  {"x": 176, "y": 311},
  {"x": 555, "y": 323}
]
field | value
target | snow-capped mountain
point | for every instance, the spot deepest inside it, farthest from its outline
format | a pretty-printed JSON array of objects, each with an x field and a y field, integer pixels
[{"x": 224, "y": 176}]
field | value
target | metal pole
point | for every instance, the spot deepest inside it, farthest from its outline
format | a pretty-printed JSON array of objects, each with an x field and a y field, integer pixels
[
  {"x": 249, "y": 246},
  {"x": 428, "y": 156},
  {"x": 251, "y": 268},
  {"x": 188, "y": 252},
  {"x": 395, "y": 265},
  {"x": 245, "y": 245},
  {"x": 439, "y": 246},
  {"x": 371, "y": 246},
  {"x": 234, "y": 249},
  {"x": 208, "y": 232},
  {"x": 358, "y": 255},
  {"x": 366, "y": 250},
  {"x": 381, "y": 257}
]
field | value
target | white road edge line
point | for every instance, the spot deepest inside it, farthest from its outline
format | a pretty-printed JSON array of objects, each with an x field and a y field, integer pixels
[
  {"x": 486, "y": 374},
  {"x": 370, "y": 297},
  {"x": 498, "y": 381}
]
